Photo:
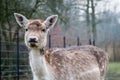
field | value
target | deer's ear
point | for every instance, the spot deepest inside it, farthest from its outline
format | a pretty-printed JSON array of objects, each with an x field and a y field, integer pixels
[
  {"x": 21, "y": 20},
  {"x": 51, "y": 21}
]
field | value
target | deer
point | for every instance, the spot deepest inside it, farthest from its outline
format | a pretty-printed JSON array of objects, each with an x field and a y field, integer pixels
[{"x": 85, "y": 62}]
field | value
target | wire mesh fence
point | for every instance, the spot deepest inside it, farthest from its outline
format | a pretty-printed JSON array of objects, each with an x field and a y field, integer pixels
[{"x": 13, "y": 58}]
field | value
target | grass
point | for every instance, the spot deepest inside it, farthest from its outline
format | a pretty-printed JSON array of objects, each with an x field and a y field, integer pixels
[
  {"x": 113, "y": 71},
  {"x": 114, "y": 68}
]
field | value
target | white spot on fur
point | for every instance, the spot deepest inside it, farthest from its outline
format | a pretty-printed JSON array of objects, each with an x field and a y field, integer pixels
[{"x": 57, "y": 49}]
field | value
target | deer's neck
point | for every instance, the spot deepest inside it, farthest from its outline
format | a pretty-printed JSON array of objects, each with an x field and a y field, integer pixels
[{"x": 38, "y": 65}]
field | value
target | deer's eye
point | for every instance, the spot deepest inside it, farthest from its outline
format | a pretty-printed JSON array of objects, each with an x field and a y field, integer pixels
[
  {"x": 26, "y": 29},
  {"x": 43, "y": 30}
]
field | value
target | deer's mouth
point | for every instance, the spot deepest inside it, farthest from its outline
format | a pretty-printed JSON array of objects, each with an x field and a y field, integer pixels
[{"x": 33, "y": 44}]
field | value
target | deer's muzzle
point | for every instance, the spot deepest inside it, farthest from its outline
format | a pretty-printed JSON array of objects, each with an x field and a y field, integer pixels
[{"x": 32, "y": 41}]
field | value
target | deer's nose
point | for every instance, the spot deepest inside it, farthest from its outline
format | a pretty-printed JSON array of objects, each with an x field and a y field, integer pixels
[{"x": 32, "y": 40}]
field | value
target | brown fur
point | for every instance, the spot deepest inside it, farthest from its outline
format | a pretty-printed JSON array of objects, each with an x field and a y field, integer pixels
[
  {"x": 35, "y": 24},
  {"x": 76, "y": 60}
]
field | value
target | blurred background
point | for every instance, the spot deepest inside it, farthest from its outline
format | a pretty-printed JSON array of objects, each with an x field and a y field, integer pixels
[{"x": 81, "y": 22}]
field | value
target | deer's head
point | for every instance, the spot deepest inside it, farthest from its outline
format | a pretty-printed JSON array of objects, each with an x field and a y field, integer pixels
[{"x": 35, "y": 30}]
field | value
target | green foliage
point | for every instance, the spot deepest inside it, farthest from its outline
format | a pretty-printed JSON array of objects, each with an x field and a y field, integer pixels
[{"x": 30, "y": 8}]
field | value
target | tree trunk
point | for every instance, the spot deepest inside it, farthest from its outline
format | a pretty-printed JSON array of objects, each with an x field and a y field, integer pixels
[{"x": 93, "y": 21}]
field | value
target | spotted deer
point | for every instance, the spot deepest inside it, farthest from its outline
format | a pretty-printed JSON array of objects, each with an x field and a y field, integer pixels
[{"x": 73, "y": 63}]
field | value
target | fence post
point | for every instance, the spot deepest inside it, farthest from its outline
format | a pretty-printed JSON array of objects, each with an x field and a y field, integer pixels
[
  {"x": 49, "y": 41},
  {"x": 90, "y": 42},
  {"x": 17, "y": 44},
  {"x": 64, "y": 42},
  {"x": 78, "y": 41},
  {"x": 93, "y": 42},
  {"x": 0, "y": 53}
]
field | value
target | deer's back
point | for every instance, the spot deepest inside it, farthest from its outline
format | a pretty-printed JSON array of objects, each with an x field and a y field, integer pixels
[{"x": 77, "y": 63}]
